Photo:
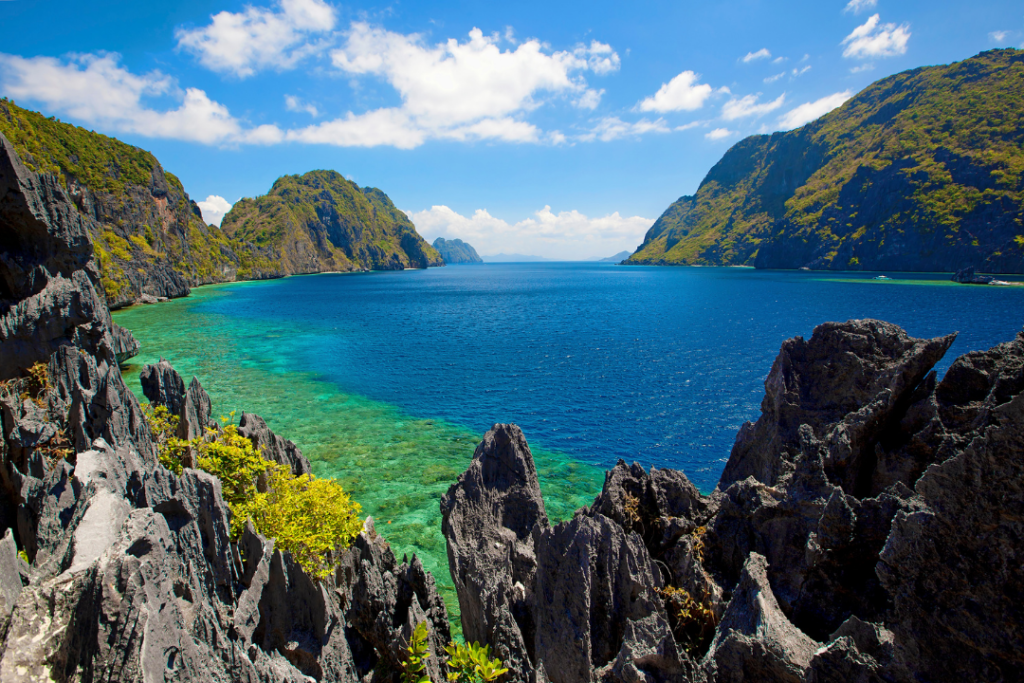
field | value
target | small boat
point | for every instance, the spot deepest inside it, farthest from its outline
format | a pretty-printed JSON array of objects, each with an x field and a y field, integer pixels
[{"x": 881, "y": 277}]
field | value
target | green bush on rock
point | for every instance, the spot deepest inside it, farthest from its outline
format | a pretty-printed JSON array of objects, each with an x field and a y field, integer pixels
[{"x": 308, "y": 517}]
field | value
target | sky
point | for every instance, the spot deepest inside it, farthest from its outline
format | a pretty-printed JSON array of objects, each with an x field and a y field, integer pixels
[{"x": 557, "y": 129}]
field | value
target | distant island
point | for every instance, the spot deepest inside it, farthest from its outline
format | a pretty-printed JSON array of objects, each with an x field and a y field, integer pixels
[
  {"x": 918, "y": 172},
  {"x": 456, "y": 251},
  {"x": 617, "y": 258}
]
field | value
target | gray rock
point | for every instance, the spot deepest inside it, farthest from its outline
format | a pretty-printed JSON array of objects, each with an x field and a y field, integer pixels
[
  {"x": 196, "y": 410},
  {"x": 755, "y": 640},
  {"x": 595, "y": 603},
  {"x": 860, "y": 373},
  {"x": 10, "y": 579},
  {"x": 125, "y": 344},
  {"x": 272, "y": 446},
  {"x": 163, "y": 386},
  {"x": 490, "y": 518}
]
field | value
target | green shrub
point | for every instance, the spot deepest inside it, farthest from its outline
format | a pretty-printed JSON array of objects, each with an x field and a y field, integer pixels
[
  {"x": 469, "y": 663},
  {"x": 413, "y": 668},
  {"x": 308, "y": 517}
]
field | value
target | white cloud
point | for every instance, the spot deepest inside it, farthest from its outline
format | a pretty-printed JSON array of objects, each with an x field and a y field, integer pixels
[
  {"x": 292, "y": 103},
  {"x": 809, "y": 111},
  {"x": 601, "y": 58},
  {"x": 691, "y": 124},
  {"x": 858, "y": 6},
  {"x": 472, "y": 90},
  {"x": 681, "y": 93},
  {"x": 719, "y": 134},
  {"x": 613, "y": 128},
  {"x": 772, "y": 79},
  {"x": 96, "y": 90},
  {"x": 999, "y": 37},
  {"x": 763, "y": 53},
  {"x": 589, "y": 99},
  {"x": 567, "y": 235},
  {"x": 245, "y": 42},
  {"x": 748, "y": 106},
  {"x": 779, "y": 60},
  {"x": 800, "y": 72},
  {"x": 870, "y": 40},
  {"x": 214, "y": 207},
  {"x": 862, "y": 68}
]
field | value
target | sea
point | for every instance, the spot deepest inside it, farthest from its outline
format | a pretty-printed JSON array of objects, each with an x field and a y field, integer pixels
[{"x": 388, "y": 380}]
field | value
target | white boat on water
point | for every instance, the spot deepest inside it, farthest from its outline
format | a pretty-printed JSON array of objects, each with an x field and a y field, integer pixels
[{"x": 881, "y": 277}]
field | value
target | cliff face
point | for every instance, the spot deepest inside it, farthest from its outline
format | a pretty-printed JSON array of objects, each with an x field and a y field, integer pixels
[
  {"x": 150, "y": 240},
  {"x": 111, "y": 566},
  {"x": 919, "y": 172},
  {"x": 149, "y": 237},
  {"x": 322, "y": 222},
  {"x": 854, "y": 536},
  {"x": 456, "y": 251}
]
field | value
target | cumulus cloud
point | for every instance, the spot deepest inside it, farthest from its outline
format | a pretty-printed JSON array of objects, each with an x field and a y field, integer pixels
[
  {"x": 96, "y": 89},
  {"x": 862, "y": 68},
  {"x": 858, "y": 6},
  {"x": 214, "y": 208},
  {"x": 718, "y": 134},
  {"x": 292, "y": 103},
  {"x": 809, "y": 111},
  {"x": 763, "y": 53},
  {"x": 470, "y": 90},
  {"x": 871, "y": 39},
  {"x": 569, "y": 235},
  {"x": 245, "y": 42},
  {"x": 999, "y": 37},
  {"x": 589, "y": 99},
  {"x": 613, "y": 128},
  {"x": 748, "y": 106},
  {"x": 682, "y": 93}
]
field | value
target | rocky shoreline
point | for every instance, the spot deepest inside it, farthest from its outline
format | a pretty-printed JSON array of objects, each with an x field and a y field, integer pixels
[{"x": 868, "y": 527}]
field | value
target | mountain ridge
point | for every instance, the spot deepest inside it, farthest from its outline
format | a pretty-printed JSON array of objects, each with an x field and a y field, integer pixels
[{"x": 920, "y": 171}]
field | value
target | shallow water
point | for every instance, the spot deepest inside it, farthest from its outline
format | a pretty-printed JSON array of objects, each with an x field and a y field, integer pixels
[{"x": 387, "y": 380}]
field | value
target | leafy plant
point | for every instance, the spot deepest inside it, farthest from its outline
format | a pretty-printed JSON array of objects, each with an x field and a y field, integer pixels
[
  {"x": 472, "y": 663},
  {"x": 309, "y": 517},
  {"x": 693, "y": 622},
  {"x": 414, "y": 670}
]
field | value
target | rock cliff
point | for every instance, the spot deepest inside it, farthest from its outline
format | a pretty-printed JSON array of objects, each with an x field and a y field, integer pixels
[
  {"x": 456, "y": 251},
  {"x": 111, "y": 566},
  {"x": 150, "y": 240},
  {"x": 918, "y": 172},
  {"x": 867, "y": 527}
]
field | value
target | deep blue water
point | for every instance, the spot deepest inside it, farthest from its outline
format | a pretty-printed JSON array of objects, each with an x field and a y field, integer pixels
[{"x": 595, "y": 361}]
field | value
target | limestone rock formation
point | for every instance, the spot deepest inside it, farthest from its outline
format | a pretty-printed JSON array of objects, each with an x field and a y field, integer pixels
[
  {"x": 132, "y": 574},
  {"x": 866, "y": 528}
]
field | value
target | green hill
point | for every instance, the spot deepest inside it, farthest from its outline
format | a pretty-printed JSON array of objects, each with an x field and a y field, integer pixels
[
  {"x": 320, "y": 222},
  {"x": 921, "y": 171},
  {"x": 150, "y": 239},
  {"x": 456, "y": 251}
]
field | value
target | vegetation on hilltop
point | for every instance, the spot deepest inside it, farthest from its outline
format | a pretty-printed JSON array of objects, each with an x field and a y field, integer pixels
[
  {"x": 150, "y": 238},
  {"x": 456, "y": 251},
  {"x": 920, "y": 171},
  {"x": 322, "y": 221}
]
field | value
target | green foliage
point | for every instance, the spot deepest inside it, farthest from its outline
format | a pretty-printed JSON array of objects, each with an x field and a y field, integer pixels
[
  {"x": 310, "y": 518},
  {"x": 693, "y": 622},
  {"x": 469, "y": 663},
  {"x": 414, "y": 670},
  {"x": 24, "y": 555},
  {"x": 938, "y": 143},
  {"x": 472, "y": 663}
]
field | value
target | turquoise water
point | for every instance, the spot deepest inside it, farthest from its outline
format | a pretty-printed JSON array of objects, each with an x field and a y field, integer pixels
[{"x": 388, "y": 380}]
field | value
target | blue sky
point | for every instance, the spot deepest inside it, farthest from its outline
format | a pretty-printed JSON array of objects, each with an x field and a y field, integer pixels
[{"x": 560, "y": 129}]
